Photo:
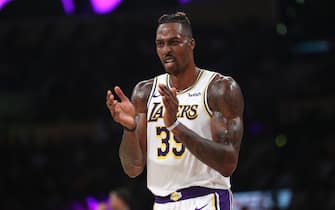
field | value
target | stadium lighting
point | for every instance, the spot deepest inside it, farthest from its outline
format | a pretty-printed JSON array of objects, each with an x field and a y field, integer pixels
[
  {"x": 68, "y": 6},
  {"x": 184, "y": 1},
  {"x": 3, "y": 3},
  {"x": 104, "y": 6}
]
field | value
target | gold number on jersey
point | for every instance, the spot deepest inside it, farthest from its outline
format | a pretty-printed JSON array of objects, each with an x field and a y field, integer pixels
[{"x": 165, "y": 136}]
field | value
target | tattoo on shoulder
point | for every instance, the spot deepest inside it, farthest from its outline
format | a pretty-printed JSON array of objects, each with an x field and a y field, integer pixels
[
  {"x": 141, "y": 94},
  {"x": 224, "y": 92}
]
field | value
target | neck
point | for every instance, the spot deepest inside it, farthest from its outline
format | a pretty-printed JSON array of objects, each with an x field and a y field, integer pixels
[{"x": 184, "y": 79}]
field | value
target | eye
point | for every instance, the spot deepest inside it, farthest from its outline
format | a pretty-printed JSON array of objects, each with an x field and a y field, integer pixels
[
  {"x": 174, "y": 42},
  {"x": 159, "y": 44}
]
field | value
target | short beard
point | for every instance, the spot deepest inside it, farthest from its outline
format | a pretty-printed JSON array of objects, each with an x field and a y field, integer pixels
[{"x": 174, "y": 71}]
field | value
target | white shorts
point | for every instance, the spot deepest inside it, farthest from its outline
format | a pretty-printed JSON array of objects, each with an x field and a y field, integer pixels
[{"x": 195, "y": 198}]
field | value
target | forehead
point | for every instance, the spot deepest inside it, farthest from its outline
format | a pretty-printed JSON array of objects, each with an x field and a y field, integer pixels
[{"x": 169, "y": 30}]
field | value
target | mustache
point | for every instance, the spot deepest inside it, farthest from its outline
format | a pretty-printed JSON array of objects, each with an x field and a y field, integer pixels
[{"x": 168, "y": 56}]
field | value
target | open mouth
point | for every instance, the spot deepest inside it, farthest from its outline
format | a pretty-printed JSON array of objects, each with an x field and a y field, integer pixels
[{"x": 169, "y": 59}]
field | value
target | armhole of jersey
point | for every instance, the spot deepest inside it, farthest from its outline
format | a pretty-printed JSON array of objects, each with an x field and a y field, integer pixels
[
  {"x": 205, "y": 100},
  {"x": 152, "y": 91}
]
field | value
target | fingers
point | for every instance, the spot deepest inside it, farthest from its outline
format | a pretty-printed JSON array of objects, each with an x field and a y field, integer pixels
[
  {"x": 120, "y": 93},
  {"x": 111, "y": 102},
  {"x": 108, "y": 94},
  {"x": 170, "y": 102},
  {"x": 109, "y": 98},
  {"x": 174, "y": 92},
  {"x": 169, "y": 97},
  {"x": 118, "y": 108},
  {"x": 165, "y": 92}
]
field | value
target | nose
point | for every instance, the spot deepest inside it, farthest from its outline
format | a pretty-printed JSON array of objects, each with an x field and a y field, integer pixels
[{"x": 166, "y": 49}]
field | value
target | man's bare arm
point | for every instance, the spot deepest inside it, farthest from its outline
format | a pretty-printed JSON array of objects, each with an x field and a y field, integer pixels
[
  {"x": 132, "y": 151},
  {"x": 226, "y": 101}
]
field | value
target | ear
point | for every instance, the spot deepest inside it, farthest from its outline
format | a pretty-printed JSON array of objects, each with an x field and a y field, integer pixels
[{"x": 192, "y": 43}]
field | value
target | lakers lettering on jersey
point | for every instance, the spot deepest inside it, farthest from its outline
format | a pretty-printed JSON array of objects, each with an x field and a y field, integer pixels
[
  {"x": 170, "y": 166},
  {"x": 188, "y": 111}
]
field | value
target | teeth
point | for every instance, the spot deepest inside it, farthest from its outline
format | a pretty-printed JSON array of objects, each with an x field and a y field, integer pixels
[{"x": 169, "y": 61}]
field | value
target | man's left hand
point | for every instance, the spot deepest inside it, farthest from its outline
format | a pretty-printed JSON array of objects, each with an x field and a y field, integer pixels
[{"x": 170, "y": 102}]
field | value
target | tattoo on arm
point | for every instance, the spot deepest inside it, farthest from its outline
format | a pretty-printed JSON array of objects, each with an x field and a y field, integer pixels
[
  {"x": 226, "y": 102},
  {"x": 132, "y": 149}
]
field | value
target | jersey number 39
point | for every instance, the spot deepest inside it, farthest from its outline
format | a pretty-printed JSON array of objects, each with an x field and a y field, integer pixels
[{"x": 166, "y": 148}]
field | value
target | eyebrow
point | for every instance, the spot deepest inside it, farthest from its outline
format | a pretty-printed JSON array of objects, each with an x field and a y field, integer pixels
[{"x": 175, "y": 37}]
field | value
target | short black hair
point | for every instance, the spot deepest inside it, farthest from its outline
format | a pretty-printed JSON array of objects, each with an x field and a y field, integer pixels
[
  {"x": 178, "y": 17},
  {"x": 124, "y": 194}
]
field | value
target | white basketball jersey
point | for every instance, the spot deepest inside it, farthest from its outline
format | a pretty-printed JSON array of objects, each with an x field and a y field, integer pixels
[{"x": 170, "y": 166}]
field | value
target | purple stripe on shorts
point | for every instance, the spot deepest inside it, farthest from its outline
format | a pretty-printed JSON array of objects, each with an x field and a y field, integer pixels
[
  {"x": 193, "y": 192},
  {"x": 224, "y": 200}
]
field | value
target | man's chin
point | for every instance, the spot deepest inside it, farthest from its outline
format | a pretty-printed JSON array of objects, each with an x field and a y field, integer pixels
[
  {"x": 168, "y": 72},
  {"x": 171, "y": 71}
]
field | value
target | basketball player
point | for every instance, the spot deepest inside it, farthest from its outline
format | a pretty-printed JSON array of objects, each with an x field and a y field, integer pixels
[{"x": 184, "y": 125}]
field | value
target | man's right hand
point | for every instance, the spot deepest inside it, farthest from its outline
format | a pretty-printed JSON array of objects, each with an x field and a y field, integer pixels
[{"x": 122, "y": 111}]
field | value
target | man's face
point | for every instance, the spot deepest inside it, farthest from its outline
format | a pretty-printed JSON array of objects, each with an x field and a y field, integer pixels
[{"x": 174, "y": 47}]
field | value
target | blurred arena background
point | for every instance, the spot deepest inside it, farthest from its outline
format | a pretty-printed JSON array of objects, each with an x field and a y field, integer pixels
[{"x": 59, "y": 146}]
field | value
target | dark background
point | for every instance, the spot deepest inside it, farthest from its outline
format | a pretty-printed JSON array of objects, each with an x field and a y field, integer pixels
[{"x": 58, "y": 143}]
